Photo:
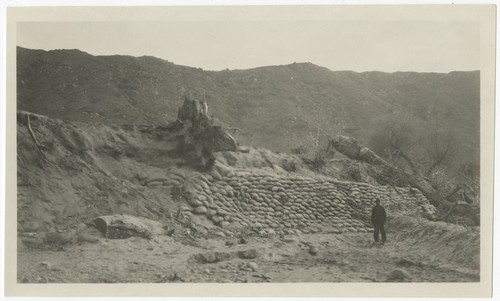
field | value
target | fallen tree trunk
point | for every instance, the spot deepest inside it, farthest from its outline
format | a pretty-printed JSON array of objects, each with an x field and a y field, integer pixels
[{"x": 32, "y": 134}]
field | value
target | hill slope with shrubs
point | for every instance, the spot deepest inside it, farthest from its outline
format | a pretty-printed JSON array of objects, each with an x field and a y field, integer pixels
[{"x": 276, "y": 107}]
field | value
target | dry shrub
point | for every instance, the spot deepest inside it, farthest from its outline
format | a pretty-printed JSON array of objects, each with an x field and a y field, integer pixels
[
  {"x": 56, "y": 241},
  {"x": 180, "y": 193},
  {"x": 288, "y": 165},
  {"x": 351, "y": 171}
]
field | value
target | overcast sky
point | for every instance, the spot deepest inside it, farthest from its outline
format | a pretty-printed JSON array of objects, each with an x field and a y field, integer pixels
[{"x": 389, "y": 46}]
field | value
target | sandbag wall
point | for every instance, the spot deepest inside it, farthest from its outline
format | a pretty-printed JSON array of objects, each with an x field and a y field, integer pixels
[{"x": 294, "y": 204}]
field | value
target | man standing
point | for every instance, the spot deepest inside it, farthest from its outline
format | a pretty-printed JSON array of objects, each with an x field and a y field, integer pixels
[{"x": 378, "y": 221}]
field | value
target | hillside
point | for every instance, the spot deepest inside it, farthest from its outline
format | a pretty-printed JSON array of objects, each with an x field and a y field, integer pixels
[
  {"x": 277, "y": 107},
  {"x": 119, "y": 182},
  {"x": 106, "y": 203}
]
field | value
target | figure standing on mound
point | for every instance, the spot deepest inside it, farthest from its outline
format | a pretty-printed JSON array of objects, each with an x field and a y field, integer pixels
[{"x": 378, "y": 221}]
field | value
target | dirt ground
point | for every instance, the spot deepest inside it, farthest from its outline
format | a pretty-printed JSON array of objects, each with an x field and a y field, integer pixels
[{"x": 295, "y": 258}]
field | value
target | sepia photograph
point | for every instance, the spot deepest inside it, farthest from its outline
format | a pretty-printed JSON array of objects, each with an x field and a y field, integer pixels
[{"x": 293, "y": 145}]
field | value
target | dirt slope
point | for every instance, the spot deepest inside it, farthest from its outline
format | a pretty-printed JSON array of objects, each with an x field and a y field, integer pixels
[
  {"x": 85, "y": 170},
  {"x": 273, "y": 219}
]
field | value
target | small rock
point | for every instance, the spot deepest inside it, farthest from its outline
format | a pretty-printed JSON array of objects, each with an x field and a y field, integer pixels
[
  {"x": 33, "y": 242},
  {"x": 150, "y": 248},
  {"x": 208, "y": 258},
  {"x": 45, "y": 264},
  {"x": 398, "y": 275},
  {"x": 220, "y": 234},
  {"x": 405, "y": 263},
  {"x": 229, "y": 243},
  {"x": 248, "y": 254},
  {"x": 313, "y": 250},
  {"x": 186, "y": 208},
  {"x": 212, "y": 257},
  {"x": 288, "y": 238},
  {"x": 86, "y": 237},
  {"x": 242, "y": 241},
  {"x": 30, "y": 226},
  {"x": 253, "y": 266},
  {"x": 30, "y": 234},
  {"x": 207, "y": 271},
  {"x": 25, "y": 280}
]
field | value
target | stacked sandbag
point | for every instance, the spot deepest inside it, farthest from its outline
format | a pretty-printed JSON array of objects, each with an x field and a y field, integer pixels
[
  {"x": 291, "y": 203},
  {"x": 169, "y": 178}
]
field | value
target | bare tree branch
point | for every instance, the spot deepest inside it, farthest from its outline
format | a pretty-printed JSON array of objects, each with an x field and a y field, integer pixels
[{"x": 32, "y": 134}]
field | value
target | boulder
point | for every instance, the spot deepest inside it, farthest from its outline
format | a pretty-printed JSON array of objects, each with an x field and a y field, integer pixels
[
  {"x": 403, "y": 262},
  {"x": 253, "y": 265},
  {"x": 248, "y": 254},
  {"x": 212, "y": 257},
  {"x": 33, "y": 242},
  {"x": 124, "y": 226},
  {"x": 313, "y": 250}
]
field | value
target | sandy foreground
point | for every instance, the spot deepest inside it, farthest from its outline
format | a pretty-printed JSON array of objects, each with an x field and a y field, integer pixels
[{"x": 292, "y": 258}]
